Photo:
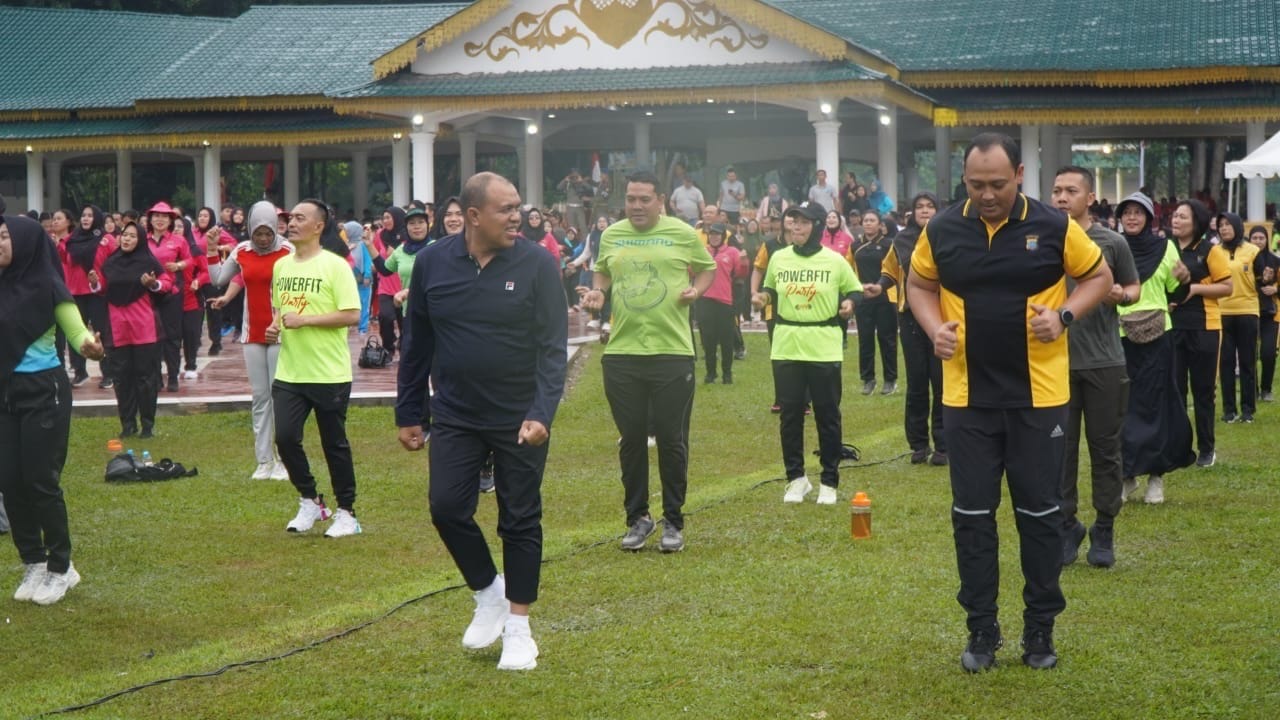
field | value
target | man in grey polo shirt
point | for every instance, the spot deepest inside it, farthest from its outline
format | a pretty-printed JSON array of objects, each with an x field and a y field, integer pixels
[
  {"x": 824, "y": 194},
  {"x": 687, "y": 202},
  {"x": 1099, "y": 383}
]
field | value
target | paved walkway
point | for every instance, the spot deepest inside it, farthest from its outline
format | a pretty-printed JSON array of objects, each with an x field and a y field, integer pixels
[{"x": 223, "y": 385}]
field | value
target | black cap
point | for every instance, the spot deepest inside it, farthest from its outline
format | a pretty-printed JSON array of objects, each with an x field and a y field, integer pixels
[
  {"x": 716, "y": 229},
  {"x": 811, "y": 211}
]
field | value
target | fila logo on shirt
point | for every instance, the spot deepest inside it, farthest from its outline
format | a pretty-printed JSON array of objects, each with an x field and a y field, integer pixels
[
  {"x": 1033, "y": 242},
  {"x": 510, "y": 286}
]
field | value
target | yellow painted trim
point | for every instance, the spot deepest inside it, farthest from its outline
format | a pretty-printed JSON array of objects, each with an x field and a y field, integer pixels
[
  {"x": 403, "y": 55},
  {"x": 195, "y": 140},
  {"x": 787, "y": 27},
  {"x": 874, "y": 90},
  {"x": 1104, "y": 78},
  {"x": 234, "y": 104},
  {"x": 949, "y": 117},
  {"x": 111, "y": 114},
  {"x": 33, "y": 115}
]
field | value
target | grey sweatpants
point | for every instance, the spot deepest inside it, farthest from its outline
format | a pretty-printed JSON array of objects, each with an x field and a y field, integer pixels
[{"x": 260, "y": 362}]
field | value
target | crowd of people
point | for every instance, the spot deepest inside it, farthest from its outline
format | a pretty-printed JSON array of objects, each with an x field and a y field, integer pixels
[{"x": 472, "y": 296}]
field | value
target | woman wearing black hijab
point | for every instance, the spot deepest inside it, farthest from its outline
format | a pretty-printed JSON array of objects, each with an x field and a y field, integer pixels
[
  {"x": 82, "y": 251},
  {"x": 392, "y": 234},
  {"x": 35, "y": 406}
]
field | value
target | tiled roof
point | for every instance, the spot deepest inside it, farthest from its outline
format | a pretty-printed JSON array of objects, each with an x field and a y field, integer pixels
[
  {"x": 189, "y": 123},
  {"x": 294, "y": 50},
  {"x": 1186, "y": 98},
  {"x": 561, "y": 81},
  {"x": 994, "y": 35},
  {"x": 73, "y": 59}
]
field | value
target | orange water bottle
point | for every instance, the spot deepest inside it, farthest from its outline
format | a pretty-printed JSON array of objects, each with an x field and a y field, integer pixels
[{"x": 860, "y": 516}]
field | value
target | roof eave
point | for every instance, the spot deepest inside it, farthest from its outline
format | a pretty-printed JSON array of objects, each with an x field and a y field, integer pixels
[{"x": 404, "y": 54}]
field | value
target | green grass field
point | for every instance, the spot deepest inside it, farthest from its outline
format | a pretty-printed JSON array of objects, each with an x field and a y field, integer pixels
[{"x": 771, "y": 611}]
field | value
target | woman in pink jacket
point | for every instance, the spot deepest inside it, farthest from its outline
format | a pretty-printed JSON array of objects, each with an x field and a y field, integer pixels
[
  {"x": 132, "y": 280},
  {"x": 81, "y": 252},
  {"x": 175, "y": 258}
]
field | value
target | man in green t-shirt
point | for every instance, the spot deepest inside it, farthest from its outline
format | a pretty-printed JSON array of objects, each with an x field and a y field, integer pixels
[
  {"x": 645, "y": 262},
  {"x": 314, "y": 300},
  {"x": 812, "y": 288}
]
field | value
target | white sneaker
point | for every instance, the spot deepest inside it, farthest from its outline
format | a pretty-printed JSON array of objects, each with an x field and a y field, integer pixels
[
  {"x": 492, "y": 611},
  {"x": 1129, "y": 486},
  {"x": 1155, "y": 490},
  {"x": 55, "y": 585},
  {"x": 344, "y": 524},
  {"x": 519, "y": 651},
  {"x": 278, "y": 471},
  {"x": 593, "y": 325},
  {"x": 309, "y": 511},
  {"x": 31, "y": 579},
  {"x": 263, "y": 472},
  {"x": 190, "y": 375},
  {"x": 797, "y": 489},
  {"x": 826, "y": 495},
  {"x": 652, "y": 441}
]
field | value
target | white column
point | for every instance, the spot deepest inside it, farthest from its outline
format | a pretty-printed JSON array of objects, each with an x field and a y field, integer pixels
[
  {"x": 1065, "y": 154},
  {"x": 124, "y": 180},
  {"x": 887, "y": 170},
  {"x": 1217, "y": 165},
  {"x": 212, "y": 178},
  {"x": 827, "y": 151},
  {"x": 1199, "y": 155},
  {"x": 1049, "y": 162},
  {"x": 533, "y": 168},
  {"x": 1031, "y": 161},
  {"x": 360, "y": 182},
  {"x": 1254, "y": 135},
  {"x": 400, "y": 173},
  {"x": 643, "y": 150},
  {"x": 292, "y": 169},
  {"x": 198, "y": 191},
  {"x": 423, "y": 143},
  {"x": 466, "y": 154},
  {"x": 35, "y": 181},
  {"x": 911, "y": 178},
  {"x": 53, "y": 185},
  {"x": 942, "y": 161}
]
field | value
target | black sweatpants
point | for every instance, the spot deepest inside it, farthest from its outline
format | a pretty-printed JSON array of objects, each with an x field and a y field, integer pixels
[
  {"x": 293, "y": 402},
  {"x": 192, "y": 326},
  {"x": 456, "y": 456},
  {"x": 93, "y": 312},
  {"x": 924, "y": 377},
  {"x": 651, "y": 393},
  {"x": 390, "y": 322},
  {"x": 877, "y": 323},
  {"x": 1267, "y": 344},
  {"x": 716, "y": 325},
  {"x": 136, "y": 372},
  {"x": 1195, "y": 362},
  {"x": 797, "y": 382},
  {"x": 169, "y": 310},
  {"x": 1239, "y": 349},
  {"x": 213, "y": 315},
  {"x": 1027, "y": 445},
  {"x": 35, "y": 422},
  {"x": 1100, "y": 397}
]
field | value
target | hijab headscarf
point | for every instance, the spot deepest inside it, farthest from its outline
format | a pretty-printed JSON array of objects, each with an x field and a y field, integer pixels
[
  {"x": 1148, "y": 248},
  {"x": 82, "y": 245},
  {"x": 816, "y": 214},
  {"x": 396, "y": 234},
  {"x": 32, "y": 282},
  {"x": 123, "y": 271},
  {"x": 263, "y": 214},
  {"x": 331, "y": 238},
  {"x": 1236, "y": 224},
  {"x": 530, "y": 232}
]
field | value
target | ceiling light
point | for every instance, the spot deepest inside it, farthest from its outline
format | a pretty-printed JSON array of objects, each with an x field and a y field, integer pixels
[
  {"x": 825, "y": 108},
  {"x": 1106, "y": 149},
  {"x": 418, "y": 119},
  {"x": 396, "y": 136},
  {"x": 551, "y": 116},
  {"x": 710, "y": 101},
  {"x": 532, "y": 129},
  {"x": 885, "y": 119},
  {"x": 731, "y": 111},
  {"x": 648, "y": 113}
]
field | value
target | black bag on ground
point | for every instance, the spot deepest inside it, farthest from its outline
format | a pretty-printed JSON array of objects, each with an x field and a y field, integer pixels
[
  {"x": 126, "y": 468},
  {"x": 374, "y": 355}
]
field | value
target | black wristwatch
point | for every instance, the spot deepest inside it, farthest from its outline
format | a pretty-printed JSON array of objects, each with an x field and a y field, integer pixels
[{"x": 1066, "y": 316}]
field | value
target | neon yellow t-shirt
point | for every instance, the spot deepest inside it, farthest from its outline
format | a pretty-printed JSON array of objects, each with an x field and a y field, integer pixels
[
  {"x": 809, "y": 290},
  {"x": 316, "y": 286},
  {"x": 649, "y": 271}
]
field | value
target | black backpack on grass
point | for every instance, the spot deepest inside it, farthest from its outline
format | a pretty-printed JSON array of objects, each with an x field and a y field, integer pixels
[{"x": 126, "y": 468}]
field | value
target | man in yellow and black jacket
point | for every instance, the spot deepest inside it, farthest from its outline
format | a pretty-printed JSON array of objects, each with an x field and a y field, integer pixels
[{"x": 988, "y": 284}]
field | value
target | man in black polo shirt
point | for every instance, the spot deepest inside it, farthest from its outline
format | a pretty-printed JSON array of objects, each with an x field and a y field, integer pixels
[
  {"x": 488, "y": 325},
  {"x": 988, "y": 284}
]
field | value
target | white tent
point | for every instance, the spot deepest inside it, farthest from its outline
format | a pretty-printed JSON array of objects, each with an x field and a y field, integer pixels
[{"x": 1261, "y": 163}]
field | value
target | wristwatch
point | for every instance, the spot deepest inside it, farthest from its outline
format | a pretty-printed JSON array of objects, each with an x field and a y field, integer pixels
[{"x": 1066, "y": 316}]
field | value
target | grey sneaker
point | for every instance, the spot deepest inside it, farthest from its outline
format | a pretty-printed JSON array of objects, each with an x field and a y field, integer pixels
[
  {"x": 868, "y": 387},
  {"x": 638, "y": 534},
  {"x": 890, "y": 387},
  {"x": 672, "y": 539}
]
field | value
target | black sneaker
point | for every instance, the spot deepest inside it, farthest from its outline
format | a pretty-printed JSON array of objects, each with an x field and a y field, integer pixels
[
  {"x": 1247, "y": 418},
  {"x": 672, "y": 538},
  {"x": 980, "y": 653},
  {"x": 173, "y": 385},
  {"x": 79, "y": 380},
  {"x": 1102, "y": 546},
  {"x": 638, "y": 534},
  {"x": 1037, "y": 650},
  {"x": 215, "y": 351},
  {"x": 868, "y": 387},
  {"x": 728, "y": 379},
  {"x": 920, "y": 457},
  {"x": 710, "y": 379},
  {"x": 486, "y": 481},
  {"x": 1230, "y": 417},
  {"x": 1071, "y": 539},
  {"x": 938, "y": 458},
  {"x": 1207, "y": 459}
]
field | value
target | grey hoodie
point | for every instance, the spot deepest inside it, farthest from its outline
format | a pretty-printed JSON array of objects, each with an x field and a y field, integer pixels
[{"x": 262, "y": 213}]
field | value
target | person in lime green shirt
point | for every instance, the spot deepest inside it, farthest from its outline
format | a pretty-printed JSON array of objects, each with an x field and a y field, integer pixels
[
  {"x": 646, "y": 262},
  {"x": 314, "y": 300},
  {"x": 812, "y": 288},
  {"x": 417, "y": 224}
]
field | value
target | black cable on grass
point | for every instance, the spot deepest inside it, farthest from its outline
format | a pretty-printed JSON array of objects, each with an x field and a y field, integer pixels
[{"x": 397, "y": 608}]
